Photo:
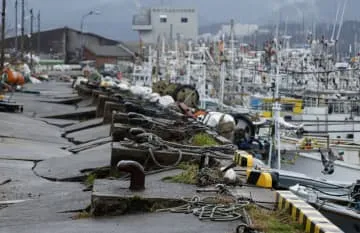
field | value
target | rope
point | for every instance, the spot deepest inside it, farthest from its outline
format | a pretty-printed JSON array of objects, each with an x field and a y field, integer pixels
[
  {"x": 165, "y": 124},
  {"x": 149, "y": 140},
  {"x": 327, "y": 193},
  {"x": 163, "y": 166},
  {"x": 205, "y": 209}
]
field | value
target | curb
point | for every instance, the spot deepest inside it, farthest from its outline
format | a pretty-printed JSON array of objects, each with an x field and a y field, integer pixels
[{"x": 311, "y": 219}]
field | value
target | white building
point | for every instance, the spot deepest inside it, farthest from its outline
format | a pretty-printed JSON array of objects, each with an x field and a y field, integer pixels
[{"x": 168, "y": 22}]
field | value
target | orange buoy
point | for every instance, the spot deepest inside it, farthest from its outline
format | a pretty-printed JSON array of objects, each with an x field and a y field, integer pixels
[
  {"x": 13, "y": 77},
  {"x": 199, "y": 113}
]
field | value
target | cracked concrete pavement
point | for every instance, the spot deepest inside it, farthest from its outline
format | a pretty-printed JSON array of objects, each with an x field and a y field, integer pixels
[{"x": 31, "y": 158}]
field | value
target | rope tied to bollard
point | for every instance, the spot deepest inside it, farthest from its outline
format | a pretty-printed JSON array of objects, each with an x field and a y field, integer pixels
[{"x": 151, "y": 143}]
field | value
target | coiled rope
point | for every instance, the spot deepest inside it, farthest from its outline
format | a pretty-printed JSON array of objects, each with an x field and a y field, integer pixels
[{"x": 208, "y": 209}]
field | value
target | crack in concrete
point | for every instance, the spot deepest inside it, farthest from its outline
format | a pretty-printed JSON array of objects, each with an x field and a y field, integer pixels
[
  {"x": 70, "y": 179},
  {"x": 5, "y": 181},
  {"x": 24, "y": 160},
  {"x": 33, "y": 140},
  {"x": 61, "y": 126},
  {"x": 72, "y": 211}
]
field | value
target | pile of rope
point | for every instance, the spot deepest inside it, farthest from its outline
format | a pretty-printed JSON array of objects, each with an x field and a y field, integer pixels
[
  {"x": 186, "y": 126},
  {"x": 147, "y": 141},
  {"x": 209, "y": 209},
  {"x": 212, "y": 209},
  {"x": 152, "y": 109}
]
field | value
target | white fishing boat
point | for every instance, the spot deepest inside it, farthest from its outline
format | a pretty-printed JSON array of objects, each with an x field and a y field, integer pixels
[{"x": 340, "y": 204}]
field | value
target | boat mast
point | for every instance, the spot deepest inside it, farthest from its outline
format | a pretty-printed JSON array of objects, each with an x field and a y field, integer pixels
[
  {"x": 203, "y": 79},
  {"x": 158, "y": 59},
  {"x": 188, "y": 72},
  {"x": 276, "y": 108},
  {"x": 176, "y": 51},
  {"x": 150, "y": 66},
  {"x": 162, "y": 46},
  {"x": 336, "y": 18},
  {"x": 222, "y": 84},
  {"x": 340, "y": 27},
  {"x": 232, "y": 57}
]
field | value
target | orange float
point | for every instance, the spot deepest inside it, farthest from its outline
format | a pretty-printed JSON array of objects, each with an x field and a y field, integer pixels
[
  {"x": 200, "y": 113},
  {"x": 13, "y": 77}
]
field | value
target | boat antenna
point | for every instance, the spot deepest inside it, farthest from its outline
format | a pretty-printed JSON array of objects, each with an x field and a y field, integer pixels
[
  {"x": 335, "y": 23},
  {"x": 188, "y": 72},
  {"x": 150, "y": 65},
  {"x": 222, "y": 84},
  {"x": 232, "y": 56},
  {"x": 276, "y": 106},
  {"x": 341, "y": 21}
]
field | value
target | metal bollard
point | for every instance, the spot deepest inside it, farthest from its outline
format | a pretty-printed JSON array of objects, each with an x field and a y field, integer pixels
[{"x": 137, "y": 173}]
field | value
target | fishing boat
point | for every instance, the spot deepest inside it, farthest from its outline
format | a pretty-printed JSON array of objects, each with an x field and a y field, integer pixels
[{"x": 340, "y": 204}]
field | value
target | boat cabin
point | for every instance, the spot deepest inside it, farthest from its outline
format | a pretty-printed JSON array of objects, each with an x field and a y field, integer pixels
[{"x": 289, "y": 106}]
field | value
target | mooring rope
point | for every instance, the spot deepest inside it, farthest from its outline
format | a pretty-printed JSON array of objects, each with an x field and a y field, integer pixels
[{"x": 208, "y": 209}]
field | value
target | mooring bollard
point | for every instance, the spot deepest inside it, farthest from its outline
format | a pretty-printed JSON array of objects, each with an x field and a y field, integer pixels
[{"x": 137, "y": 173}]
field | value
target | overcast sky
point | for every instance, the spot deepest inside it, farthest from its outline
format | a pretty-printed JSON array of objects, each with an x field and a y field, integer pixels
[{"x": 116, "y": 15}]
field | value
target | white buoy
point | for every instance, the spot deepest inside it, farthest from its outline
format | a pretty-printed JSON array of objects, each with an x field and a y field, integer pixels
[
  {"x": 79, "y": 80},
  {"x": 166, "y": 100},
  {"x": 123, "y": 86}
]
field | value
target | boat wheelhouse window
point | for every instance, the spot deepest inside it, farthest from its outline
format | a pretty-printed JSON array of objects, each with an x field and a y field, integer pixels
[
  {"x": 267, "y": 106},
  {"x": 163, "y": 18},
  {"x": 288, "y": 107},
  {"x": 287, "y": 118},
  {"x": 330, "y": 108},
  {"x": 306, "y": 102},
  {"x": 353, "y": 106},
  {"x": 342, "y": 110},
  {"x": 336, "y": 108},
  {"x": 184, "y": 20}
]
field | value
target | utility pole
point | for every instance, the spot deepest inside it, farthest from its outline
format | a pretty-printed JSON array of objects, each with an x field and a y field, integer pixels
[
  {"x": 16, "y": 25},
  {"x": 38, "y": 34},
  {"x": 234, "y": 83},
  {"x": 22, "y": 28},
  {"x": 31, "y": 37},
  {"x": 3, "y": 35}
]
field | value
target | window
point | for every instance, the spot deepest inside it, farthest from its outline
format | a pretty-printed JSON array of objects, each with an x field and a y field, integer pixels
[
  {"x": 163, "y": 18},
  {"x": 342, "y": 109},
  {"x": 288, "y": 107},
  {"x": 184, "y": 20}
]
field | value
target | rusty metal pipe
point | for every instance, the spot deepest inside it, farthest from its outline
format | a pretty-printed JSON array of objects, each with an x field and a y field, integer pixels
[{"x": 137, "y": 173}]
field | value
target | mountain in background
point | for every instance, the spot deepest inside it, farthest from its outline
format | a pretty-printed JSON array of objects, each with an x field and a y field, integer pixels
[{"x": 116, "y": 17}]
